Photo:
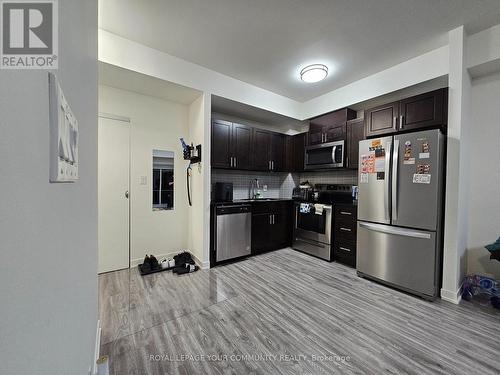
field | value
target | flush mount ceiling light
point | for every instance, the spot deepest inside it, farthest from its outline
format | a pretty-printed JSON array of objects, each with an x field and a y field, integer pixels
[{"x": 314, "y": 73}]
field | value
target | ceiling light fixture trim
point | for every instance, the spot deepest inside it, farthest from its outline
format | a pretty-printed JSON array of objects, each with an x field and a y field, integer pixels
[{"x": 314, "y": 73}]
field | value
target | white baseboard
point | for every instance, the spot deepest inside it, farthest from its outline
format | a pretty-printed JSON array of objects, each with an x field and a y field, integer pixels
[
  {"x": 202, "y": 265},
  {"x": 452, "y": 296},
  {"x": 97, "y": 348}
]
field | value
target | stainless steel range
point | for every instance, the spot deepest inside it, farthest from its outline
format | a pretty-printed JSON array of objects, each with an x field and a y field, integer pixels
[{"x": 313, "y": 223}]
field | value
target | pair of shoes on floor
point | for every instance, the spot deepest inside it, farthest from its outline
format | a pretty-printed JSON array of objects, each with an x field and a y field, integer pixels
[
  {"x": 150, "y": 264},
  {"x": 186, "y": 268}
]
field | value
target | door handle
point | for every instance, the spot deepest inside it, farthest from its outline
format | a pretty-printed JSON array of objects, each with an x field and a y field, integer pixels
[
  {"x": 269, "y": 162},
  {"x": 126, "y": 194},
  {"x": 395, "y": 156},
  {"x": 334, "y": 148},
  {"x": 388, "y": 150},
  {"x": 394, "y": 122},
  {"x": 274, "y": 220},
  {"x": 345, "y": 213},
  {"x": 235, "y": 161},
  {"x": 344, "y": 248},
  {"x": 401, "y": 118},
  {"x": 345, "y": 229},
  {"x": 272, "y": 165},
  {"x": 270, "y": 219},
  {"x": 395, "y": 230}
]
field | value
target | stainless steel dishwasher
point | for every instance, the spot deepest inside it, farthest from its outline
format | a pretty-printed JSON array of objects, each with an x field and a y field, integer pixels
[{"x": 234, "y": 231}]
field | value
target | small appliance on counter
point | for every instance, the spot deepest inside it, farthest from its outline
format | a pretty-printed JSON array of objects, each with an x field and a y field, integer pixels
[
  {"x": 302, "y": 192},
  {"x": 313, "y": 219},
  {"x": 223, "y": 192}
]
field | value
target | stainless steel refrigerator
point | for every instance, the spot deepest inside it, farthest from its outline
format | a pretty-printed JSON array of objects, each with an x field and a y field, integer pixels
[{"x": 400, "y": 199}]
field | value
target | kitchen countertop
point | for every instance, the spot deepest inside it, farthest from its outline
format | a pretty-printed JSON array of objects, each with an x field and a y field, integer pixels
[{"x": 247, "y": 201}]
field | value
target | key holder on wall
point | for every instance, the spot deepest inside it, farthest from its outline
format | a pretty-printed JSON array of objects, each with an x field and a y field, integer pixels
[{"x": 193, "y": 154}]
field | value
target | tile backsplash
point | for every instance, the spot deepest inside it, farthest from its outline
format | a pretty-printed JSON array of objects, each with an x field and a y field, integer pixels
[
  {"x": 342, "y": 176},
  {"x": 279, "y": 185}
]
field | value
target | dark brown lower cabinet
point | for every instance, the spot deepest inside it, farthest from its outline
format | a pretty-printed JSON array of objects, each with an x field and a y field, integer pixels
[
  {"x": 345, "y": 231},
  {"x": 271, "y": 226}
]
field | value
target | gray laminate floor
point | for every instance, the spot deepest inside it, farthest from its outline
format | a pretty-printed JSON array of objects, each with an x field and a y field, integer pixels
[{"x": 287, "y": 313}]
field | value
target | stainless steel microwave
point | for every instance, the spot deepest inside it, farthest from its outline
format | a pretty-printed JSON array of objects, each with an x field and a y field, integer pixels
[{"x": 326, "y": 155}]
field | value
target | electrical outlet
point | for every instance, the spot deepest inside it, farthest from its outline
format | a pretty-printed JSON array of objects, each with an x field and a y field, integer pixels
[{"x": 264, "y": 187}]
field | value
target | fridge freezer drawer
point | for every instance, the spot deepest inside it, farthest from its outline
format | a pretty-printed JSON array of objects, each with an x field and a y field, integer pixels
[{"x": 405, "y": 258}]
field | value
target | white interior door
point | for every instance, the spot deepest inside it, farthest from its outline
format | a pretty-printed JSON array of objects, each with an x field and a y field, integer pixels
[{"x": 113, "y": 188}]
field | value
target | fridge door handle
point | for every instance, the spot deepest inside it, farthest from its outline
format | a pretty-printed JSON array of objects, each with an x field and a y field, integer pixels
[
  {"x": 395, "y": 157},
  {"x": 395, "y": 230},
  {"x": 386, "y": 179}
]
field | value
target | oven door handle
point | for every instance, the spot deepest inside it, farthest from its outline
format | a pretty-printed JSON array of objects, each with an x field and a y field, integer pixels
[{"x": 334, "y": 148}]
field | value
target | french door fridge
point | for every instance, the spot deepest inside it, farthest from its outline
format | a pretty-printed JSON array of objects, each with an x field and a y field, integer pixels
[{"x": 399, "y": 211}]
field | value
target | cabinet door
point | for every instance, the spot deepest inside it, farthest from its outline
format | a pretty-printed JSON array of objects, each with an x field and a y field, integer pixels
[
  {"x": 281, "y": 230},
  {"x": 261, "y": 233},
  {"x": 422, "y": 111},
  {"x": 299, "y": 142},
  {"x": 261, "y": 150},
  {"x": 382, "y": 119},
  {"x": 241, "y": 145},
  {"x": 277, "y": 152},
  {"x": 315, "y": 133},
  {"x": 355, "y": 133},
  {"x": 335, "y": 133},
  {"x": 221, "y": 144}
]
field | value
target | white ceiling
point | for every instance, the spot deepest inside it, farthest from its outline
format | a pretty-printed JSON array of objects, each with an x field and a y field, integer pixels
[
  {"x": 114, "y": 76},
  {"x": 265, "y": 42}
]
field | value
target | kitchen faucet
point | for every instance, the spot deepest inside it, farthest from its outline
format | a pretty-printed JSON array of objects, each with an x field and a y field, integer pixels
[{"x": 254, "y": 184}]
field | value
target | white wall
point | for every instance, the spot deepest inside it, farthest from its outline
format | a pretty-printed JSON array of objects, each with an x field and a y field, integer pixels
[
  {"x": 48, "y": 232},
  {"x": 199, "y": 213},
  {"x": 155, "y": 124},
  {"x": 484, "y": 175}
]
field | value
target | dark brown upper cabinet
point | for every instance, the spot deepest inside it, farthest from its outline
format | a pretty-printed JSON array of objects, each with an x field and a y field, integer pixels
[
  {"x": 231, "y": 145},
  {"x": 221, "y": 144},
  {"x": 242, "y": 146},
  {"x": 277, "y": 152},
  {"x": 355, "y": 133},
  {"x": 422, "y": 111},
  {"x": 330, "y": 127},
  {"x": 382, "y": 119},
  {"x": 261, "y": 149},
  {"x": 268, "y": 150},
  {"x": 294, "y": 154},
  {"x": 418, "y": 112}
]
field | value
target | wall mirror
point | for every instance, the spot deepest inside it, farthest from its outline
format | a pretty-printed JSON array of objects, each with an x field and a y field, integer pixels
[{"x": 163, "y": 180}]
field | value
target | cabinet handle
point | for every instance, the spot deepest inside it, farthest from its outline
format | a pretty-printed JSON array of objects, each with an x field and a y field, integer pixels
[
  {"x": 235, "y": 161},
  {"x": 344, "y": 248},
  {"x": 269, "y": 164},
  {"x": 394, "y": 122},
  {"x": 270, "y": 219},
  {"x": 231, "y": 161},
  {"x": 272, "y": 165},
  {"x": 345, "y": 229},
  {"x": 401, "y": 121},
  {"x": 345, "y": 213},
  {"x": 273, "y": 219}
]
